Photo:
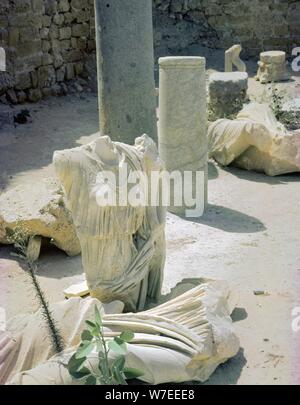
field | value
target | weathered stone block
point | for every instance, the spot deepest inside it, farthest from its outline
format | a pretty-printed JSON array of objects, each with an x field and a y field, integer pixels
[
  {"x": 58, "y": 19},
  {"x": 55, "y": 45},
  {"x": 46, "y": 46},
  {"x": 46, "y": 21},
  {"x": 34, "y": 79},
  {"x": 79, "y": 68},
  {"x": 60, "y": 74},
  {"x": 28, "y": 34},
  {"x": 70, "y": 73},
  {"x": 13, "y": 36},
  {"x": 77, "y": 4},
  {"x": 91, "y": 45},
  {"x": 23, "y": 81},
  {"x": 80, "y": 30},
  {"x": 83, "y": 16},
  {"x": 53, "y": 32},
  {"x": 50, "y": 7},
  {"x": 81, "y": 44},
  {"x": 34, "y": 95},
  {"x": 65, "y": 44},
  {"x": 38, "y": 6},
  {"x": 46, "y": 76},
  {"x": 44, "y": 33},
  {"x": 58, "y": 59},
  {"x": 47, "y": 92},
  {"x": 11, "y": 96},
  {"x": 22, "y": 6},
  {"x": 22, "y": 97},
  {"x": 47, "y": 59},
  {"x": 74, "y": 42},
  {"x": 73, "y": 55},
  {"x": 63, "y": 6},
  {"x": 70, "y": 17},
  {"x": 65, "y": 33}
]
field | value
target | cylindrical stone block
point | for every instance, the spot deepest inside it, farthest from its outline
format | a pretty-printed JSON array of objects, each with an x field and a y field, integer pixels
[
  {"x": 272, "y": 67},
  {"x": 182, "y": 129},
  {"x": 273, "y": 57},
  {"x": 227, "y": 94},
  {"x": 125, "y": 61}
]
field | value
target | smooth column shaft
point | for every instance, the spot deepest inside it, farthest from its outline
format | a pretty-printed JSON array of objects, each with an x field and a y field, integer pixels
[
  {"x": 182, "y": 120},
  {"x": 125, "y": 60}
]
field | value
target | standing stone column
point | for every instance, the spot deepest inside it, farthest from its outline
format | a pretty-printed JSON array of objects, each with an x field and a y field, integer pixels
[
  {"x": 125, "y": 60},
  {"x": 182, "y": 120}
]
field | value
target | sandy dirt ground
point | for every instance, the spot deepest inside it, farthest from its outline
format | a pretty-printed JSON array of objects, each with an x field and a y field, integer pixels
[{"x": 249, "y": 236}]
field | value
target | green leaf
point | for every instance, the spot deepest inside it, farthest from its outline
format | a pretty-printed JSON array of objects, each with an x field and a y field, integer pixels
[
  {"x": 117, "y": 348},
  {"x": 86, "y": 335},
  {"x": 99, "y": 348},
  {"x": 98, "y": 316},
  {"x": 118, "y": 372},
  {"x": 131, "y": 373},
  {"x": 74, "y": 364},
  {"x": 93, "y": 328},
  {"x": 84, "y": 349},
  {"x": 104, "y": 369},
  {"x": 90, "y": 324},
  {"x": 91, "y": 380},
  {"x": 118, "y": 340},
  {"x": 83, "y": 372},
  {"x": 119, "y": 363},
  {"x": 127, "y": 336}
]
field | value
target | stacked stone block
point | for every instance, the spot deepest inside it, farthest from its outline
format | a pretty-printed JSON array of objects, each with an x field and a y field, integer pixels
[
  {"x": 258, "y": 25},
  {"x": 46, "y": 43}
]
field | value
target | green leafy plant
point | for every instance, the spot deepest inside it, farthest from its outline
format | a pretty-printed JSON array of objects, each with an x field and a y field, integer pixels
[{"x": 110, "y": 369}]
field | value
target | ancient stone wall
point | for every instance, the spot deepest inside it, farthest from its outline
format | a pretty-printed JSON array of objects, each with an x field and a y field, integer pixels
[
  {"x": 46, "y": 43},
  {"x": 256, "y": 24}
]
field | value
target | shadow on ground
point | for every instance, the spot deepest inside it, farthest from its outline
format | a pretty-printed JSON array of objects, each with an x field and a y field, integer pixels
[
  {"x": 213, "y": 172},
  {"x": 229, "y": 220},
  {"x": 262, "y": 178},
  {"x": 61, "y": 264},
  {"x": 229, "y": 372}
]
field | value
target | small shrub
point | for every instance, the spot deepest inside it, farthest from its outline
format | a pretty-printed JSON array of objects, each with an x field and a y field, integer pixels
[
  {"x": 21, "y": 239},
  {"x": 108, "y": 371},
  {"x": 276, "y": 99}
]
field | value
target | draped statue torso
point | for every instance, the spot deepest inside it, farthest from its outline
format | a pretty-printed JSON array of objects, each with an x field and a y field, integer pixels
[{"x": 123, "y": 247}]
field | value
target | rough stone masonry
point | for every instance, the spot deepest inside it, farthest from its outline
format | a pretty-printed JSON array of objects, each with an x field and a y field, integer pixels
[
  {"x": 49, "y": 42},
  {"x": 46, "y": 42}
]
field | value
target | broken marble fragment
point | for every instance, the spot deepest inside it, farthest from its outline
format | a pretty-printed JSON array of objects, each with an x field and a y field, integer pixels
[
  {"x": 232, "y": 58},
  {"x": 181, "y": 340},
  {"x": 27, "y": 211},
  {"x": 255, "y": 140},
  {"x": 272, "y": 67}
]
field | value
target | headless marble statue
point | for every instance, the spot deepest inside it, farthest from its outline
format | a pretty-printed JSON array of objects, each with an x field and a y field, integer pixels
[
  {"x": 232, "y": 58},
  {"x": 123, "y": 246}
]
